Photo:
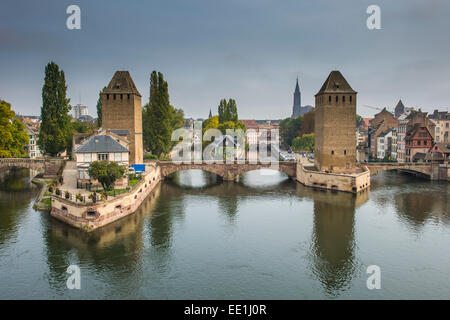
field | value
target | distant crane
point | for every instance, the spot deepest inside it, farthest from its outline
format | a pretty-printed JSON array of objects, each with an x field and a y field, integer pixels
[{"x": 372, "y": 107}]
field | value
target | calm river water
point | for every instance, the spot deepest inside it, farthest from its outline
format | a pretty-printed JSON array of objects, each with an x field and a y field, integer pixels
[{"x": 266, "y": 237}]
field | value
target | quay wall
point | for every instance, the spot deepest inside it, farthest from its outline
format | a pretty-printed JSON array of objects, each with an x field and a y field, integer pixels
[
  {"x": 92, "y": 216},
  {"x": 334, "y": 181}
]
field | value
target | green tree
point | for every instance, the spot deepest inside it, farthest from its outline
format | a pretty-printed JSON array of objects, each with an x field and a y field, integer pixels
[
  {"x": 176, "y": 117},
  {"x": 227, "y": 111},
  {"x": 290, "y": 129},
  {"x": 13, "y": 137},
  {"x": 157, "y": 117},
  {"x": 307, "y": 123},
  {"x": 305, "y": 143},
  {"x": 55, "y": 126},
  {"x": 99, "y": 108},
  {"x": 106, "y": 173},
  {"x": 358, "y": 120}
]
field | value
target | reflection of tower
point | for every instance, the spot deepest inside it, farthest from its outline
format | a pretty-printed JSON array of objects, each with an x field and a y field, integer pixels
[{"x": 333, "y": 243}]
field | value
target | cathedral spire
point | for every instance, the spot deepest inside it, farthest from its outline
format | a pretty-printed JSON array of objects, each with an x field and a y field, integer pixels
[{"x": 297, "y": 95}]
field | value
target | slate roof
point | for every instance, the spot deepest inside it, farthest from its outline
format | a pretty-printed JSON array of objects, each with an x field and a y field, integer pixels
[
  {"x": 336, "y": 83},
  {"x": 120, "y": 132},
  {"x": 122, "y": 83},
  {"x": 101, "y": 143}
]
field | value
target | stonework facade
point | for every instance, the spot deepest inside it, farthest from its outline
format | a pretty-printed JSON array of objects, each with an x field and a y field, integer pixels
[
  {"x": 122, "y": 110},
  {"x": 335, "y": 125}
]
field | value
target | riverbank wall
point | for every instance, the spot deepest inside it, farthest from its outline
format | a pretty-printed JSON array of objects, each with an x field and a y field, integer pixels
[
  {"x": 354, "y": 183},
  {"x": 95, "y": 215}
]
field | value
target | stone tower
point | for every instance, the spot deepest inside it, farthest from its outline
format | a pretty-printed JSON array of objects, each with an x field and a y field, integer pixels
[
  {"x": 335, "y": 125},
  {"x": 122, "y": 110}
]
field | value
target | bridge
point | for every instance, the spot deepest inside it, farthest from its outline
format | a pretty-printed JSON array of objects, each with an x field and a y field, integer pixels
[
  {"x": 419, "y": 169},
  {"x": 48, "y": 167},
  {"x": 228, "y": 171}
]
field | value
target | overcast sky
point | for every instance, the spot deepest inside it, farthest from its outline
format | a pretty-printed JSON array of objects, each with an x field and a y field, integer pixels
[{"x": 249, "y": 50}]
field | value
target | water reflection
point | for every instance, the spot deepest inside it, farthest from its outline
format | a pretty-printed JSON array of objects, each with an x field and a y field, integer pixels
[
  {"x": 193, "y": 227},
  {"x": 332, "y": 252},
  {"x": 416, "y": 201},
  {"x": 16, "y": 191}
]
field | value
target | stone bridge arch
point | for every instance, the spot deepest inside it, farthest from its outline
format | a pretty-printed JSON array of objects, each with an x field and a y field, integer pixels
[
  {"x": 228, "y": 171},
  {"x": 47, "y": 167},
  {"x": 421, "y": 169}
]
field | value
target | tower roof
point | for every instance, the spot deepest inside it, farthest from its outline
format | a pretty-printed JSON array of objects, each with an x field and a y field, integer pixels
[
  {"x": 122, "y": 83},
  {"x": 297, "y": 88},
  {"x": 335, "y": 83}
]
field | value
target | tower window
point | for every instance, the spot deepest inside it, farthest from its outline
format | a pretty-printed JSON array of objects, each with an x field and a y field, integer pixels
[
  {"x": 336, "y": 99},
  {"x": 350, "y": 98},
  {"x": 114, "y": 96},
  {"x": 332, "y": 152},
  {"x": 107, "y": 97},
  {"x": 128, "y": 96},
  {"x": 329, "y": 98},
  {"x": 345, "y": 152},
  {"x": 343, "y": 99},
  {"x": 121, "y": 96}
]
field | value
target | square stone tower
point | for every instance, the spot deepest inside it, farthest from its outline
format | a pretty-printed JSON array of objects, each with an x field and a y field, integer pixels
[
  {"x": 122, "y": 110},
  {"x": 335, "y": 125}
]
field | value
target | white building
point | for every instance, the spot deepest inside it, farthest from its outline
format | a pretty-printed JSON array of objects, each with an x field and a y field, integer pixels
[
  {"x": 103, "y": 146},
  {"x": 80, "y": 110},
  {"x": 387, "y": 145},
  {"x": 32, "y": 147}
]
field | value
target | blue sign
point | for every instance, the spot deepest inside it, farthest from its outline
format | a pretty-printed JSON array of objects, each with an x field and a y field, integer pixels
[{"x": 138, "y": 167}]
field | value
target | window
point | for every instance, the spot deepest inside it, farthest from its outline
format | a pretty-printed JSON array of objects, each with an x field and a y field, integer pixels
[
  {"x": 345, "y": 152},
  {"x": 121, "y": 96},
  {"x": 329, "y": 98},
  {"x": 350, "y": 98},
  {"x": 336, "y": 99},
  {"x": 114, "y": 96},
  {"x": 102, "y": 156},
  {"x": 86, "y": 174},
  {"x": 437, "y": 138},
  {"x": 343, "y": 99},
  {"x": 332, "y": 152},
  {"x": 87, "y": 157},
  {"x": 128, "y": 96},
  {"x": 107, "y": 97},
  {"x": 117, "y": 156}
]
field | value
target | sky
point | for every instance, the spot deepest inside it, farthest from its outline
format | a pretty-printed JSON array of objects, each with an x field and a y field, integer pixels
[{"x": 248, "y": 50}]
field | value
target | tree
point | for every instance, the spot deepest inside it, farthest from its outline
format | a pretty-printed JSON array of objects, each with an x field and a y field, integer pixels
[
  {"x": 55, "y": 126},
  {"x": 289, "y": 129},
  {"x": 305, "y": 143},
  {"x": 99, "y": 108},
  {"x": 78, "y": 127},
  {"x": 106, "y": 173},
  {"x": 307, "y": 123},
  {"x": 176, "y": 117},
  {"x": 227, "y": 111},
  {"x": 157, "y": 117},
  {"x": 13, "y": 137},
  {"x": 358, "y": 120}
]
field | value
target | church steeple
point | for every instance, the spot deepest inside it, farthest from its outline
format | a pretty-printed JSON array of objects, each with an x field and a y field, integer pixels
[
  {"x": 210, "y": 114},
  {"x": 297, "y": 96}
]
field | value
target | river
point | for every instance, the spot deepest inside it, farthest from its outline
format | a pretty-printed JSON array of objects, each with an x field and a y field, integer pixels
[{"x": 266, "y": 237}]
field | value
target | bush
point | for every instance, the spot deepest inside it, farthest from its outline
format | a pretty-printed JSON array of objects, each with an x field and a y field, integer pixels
[{"x": 150, "y": 157}]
